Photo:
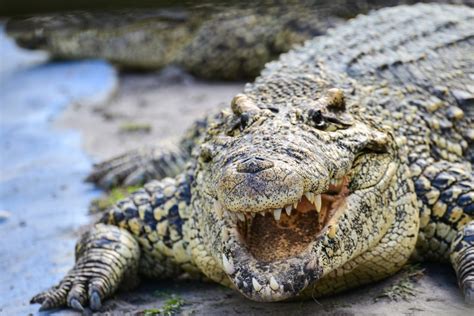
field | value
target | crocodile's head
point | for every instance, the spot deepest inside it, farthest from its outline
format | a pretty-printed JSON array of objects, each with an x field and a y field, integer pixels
[{"x": 293, "y": 191}]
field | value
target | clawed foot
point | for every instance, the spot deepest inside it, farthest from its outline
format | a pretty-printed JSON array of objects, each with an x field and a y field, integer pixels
[
  {"x": 77, "y": 294},
  {"x": 137, "y": 167},
  {"x": 124, "y": 170},
  {"x": 105, "y": 256}
]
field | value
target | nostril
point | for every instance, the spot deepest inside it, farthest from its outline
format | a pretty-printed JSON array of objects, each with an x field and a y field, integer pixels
[{"x": 254, "y": 165}]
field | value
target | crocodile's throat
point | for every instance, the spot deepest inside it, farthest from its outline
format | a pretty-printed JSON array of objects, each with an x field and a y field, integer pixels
[
  {"x": 276, "y": 235},
  {"x": 285, "y": 232}
]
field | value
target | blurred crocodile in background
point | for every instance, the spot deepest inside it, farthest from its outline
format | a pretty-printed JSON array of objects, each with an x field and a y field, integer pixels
[
  {"x": 344, "y": 158},
  {"x": 228, "y": 41}
]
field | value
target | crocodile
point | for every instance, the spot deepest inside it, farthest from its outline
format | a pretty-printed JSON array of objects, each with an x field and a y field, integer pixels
[
  {"x": 210, "y": 41},
  {"x": 344, "y": 159}
]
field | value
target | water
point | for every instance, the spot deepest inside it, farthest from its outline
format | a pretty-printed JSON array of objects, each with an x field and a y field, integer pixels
[{"x": 41, "y": 169}]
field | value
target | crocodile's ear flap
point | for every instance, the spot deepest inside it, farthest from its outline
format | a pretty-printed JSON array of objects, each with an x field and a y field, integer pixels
[
  {"x": 243, "y": 104},
  {"x": 334, "y": 100},
  {"x": 333, "y": 104}
]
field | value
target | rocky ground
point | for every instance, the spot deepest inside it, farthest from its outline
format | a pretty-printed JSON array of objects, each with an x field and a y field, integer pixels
[{"x": 149, "y": 109}]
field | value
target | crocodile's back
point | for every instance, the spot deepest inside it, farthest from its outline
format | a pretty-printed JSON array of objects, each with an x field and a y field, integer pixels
[
  {"x": 420, "y": 61},
  {"x": 418, "y": 58}
]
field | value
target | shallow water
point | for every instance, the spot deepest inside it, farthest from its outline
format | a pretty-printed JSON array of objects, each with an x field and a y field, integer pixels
[{"x": 42, "y": 197}]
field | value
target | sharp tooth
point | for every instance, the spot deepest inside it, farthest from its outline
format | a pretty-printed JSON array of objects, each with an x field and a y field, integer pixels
[
  {"x": 317, "y": 202},
  {"x": 241, "y": 217},
  {"x": 309, "y": 196},
  {"x": 253, "y": 215},
  {"x": 228, "y": 266},
  {"x": 267, "y": 292},
  {"x": 288, "y": 210},
  {"x": 218, "y": 209},
  {"x": 277, "y": 214},
  {"x": 225, "y": 235},
  {"x": 295, "y": 205},
  {"x": 274, "y": 284},
  {"x": 256, "y": 285},
  {"x": 332, "y": 231}
]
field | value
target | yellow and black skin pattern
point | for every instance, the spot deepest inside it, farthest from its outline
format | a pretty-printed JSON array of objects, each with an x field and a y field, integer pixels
[{"x": 344, "y": 159}]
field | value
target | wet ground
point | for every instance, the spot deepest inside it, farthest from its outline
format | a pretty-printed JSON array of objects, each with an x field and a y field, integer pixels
[
  {"x": 57, "y": 118},
  {"x": 42, "y": 197}
]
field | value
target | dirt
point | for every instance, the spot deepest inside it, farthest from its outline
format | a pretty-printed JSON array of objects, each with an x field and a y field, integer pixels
[{"x": 147, "y": 109}]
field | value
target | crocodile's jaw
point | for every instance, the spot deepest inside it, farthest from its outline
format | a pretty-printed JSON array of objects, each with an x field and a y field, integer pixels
[
  {"x": 274, "y": 272},
  {"x": 262, "y": 269}
]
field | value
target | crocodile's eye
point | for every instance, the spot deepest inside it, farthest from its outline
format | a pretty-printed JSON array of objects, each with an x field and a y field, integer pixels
[
  {"x": 316, "y": 117},
  {"x": 239, "y": 123},
  {"x": 244, "y": 121}
]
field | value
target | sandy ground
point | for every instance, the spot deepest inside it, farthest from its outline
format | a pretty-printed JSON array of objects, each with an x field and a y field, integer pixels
[{"x": 168, "y": 102}]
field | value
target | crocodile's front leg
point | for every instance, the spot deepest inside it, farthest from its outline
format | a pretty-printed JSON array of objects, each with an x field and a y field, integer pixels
[
  {"x": 446, "y": 191},
  {"x": 105, "y": 256},
  {"x": 141, "y": 234},
  {"x": 149, "y": 163}
]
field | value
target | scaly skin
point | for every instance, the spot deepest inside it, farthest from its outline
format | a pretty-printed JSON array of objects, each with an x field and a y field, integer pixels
[
  {"x": 358, "y": 146},
  {"x": 231, "y": 42}
]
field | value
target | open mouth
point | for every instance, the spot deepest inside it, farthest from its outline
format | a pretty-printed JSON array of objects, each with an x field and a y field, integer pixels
[
  {"x": 273, "y": 247},
  {"x": 277, "y": 234}
]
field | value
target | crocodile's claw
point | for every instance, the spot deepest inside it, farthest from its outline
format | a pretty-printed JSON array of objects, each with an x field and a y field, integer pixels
[
  {"x": 77, "y": 294},
  {"x": 137, "y": 167}
]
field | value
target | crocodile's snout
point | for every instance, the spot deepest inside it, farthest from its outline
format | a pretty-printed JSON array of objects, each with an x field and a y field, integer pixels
[{"x": 256, "y": 184}]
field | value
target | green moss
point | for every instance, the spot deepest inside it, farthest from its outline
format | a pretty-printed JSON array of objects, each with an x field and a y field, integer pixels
[
  {"x": 109, "y": 199},
  {"x": 170, "y": 307}
]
